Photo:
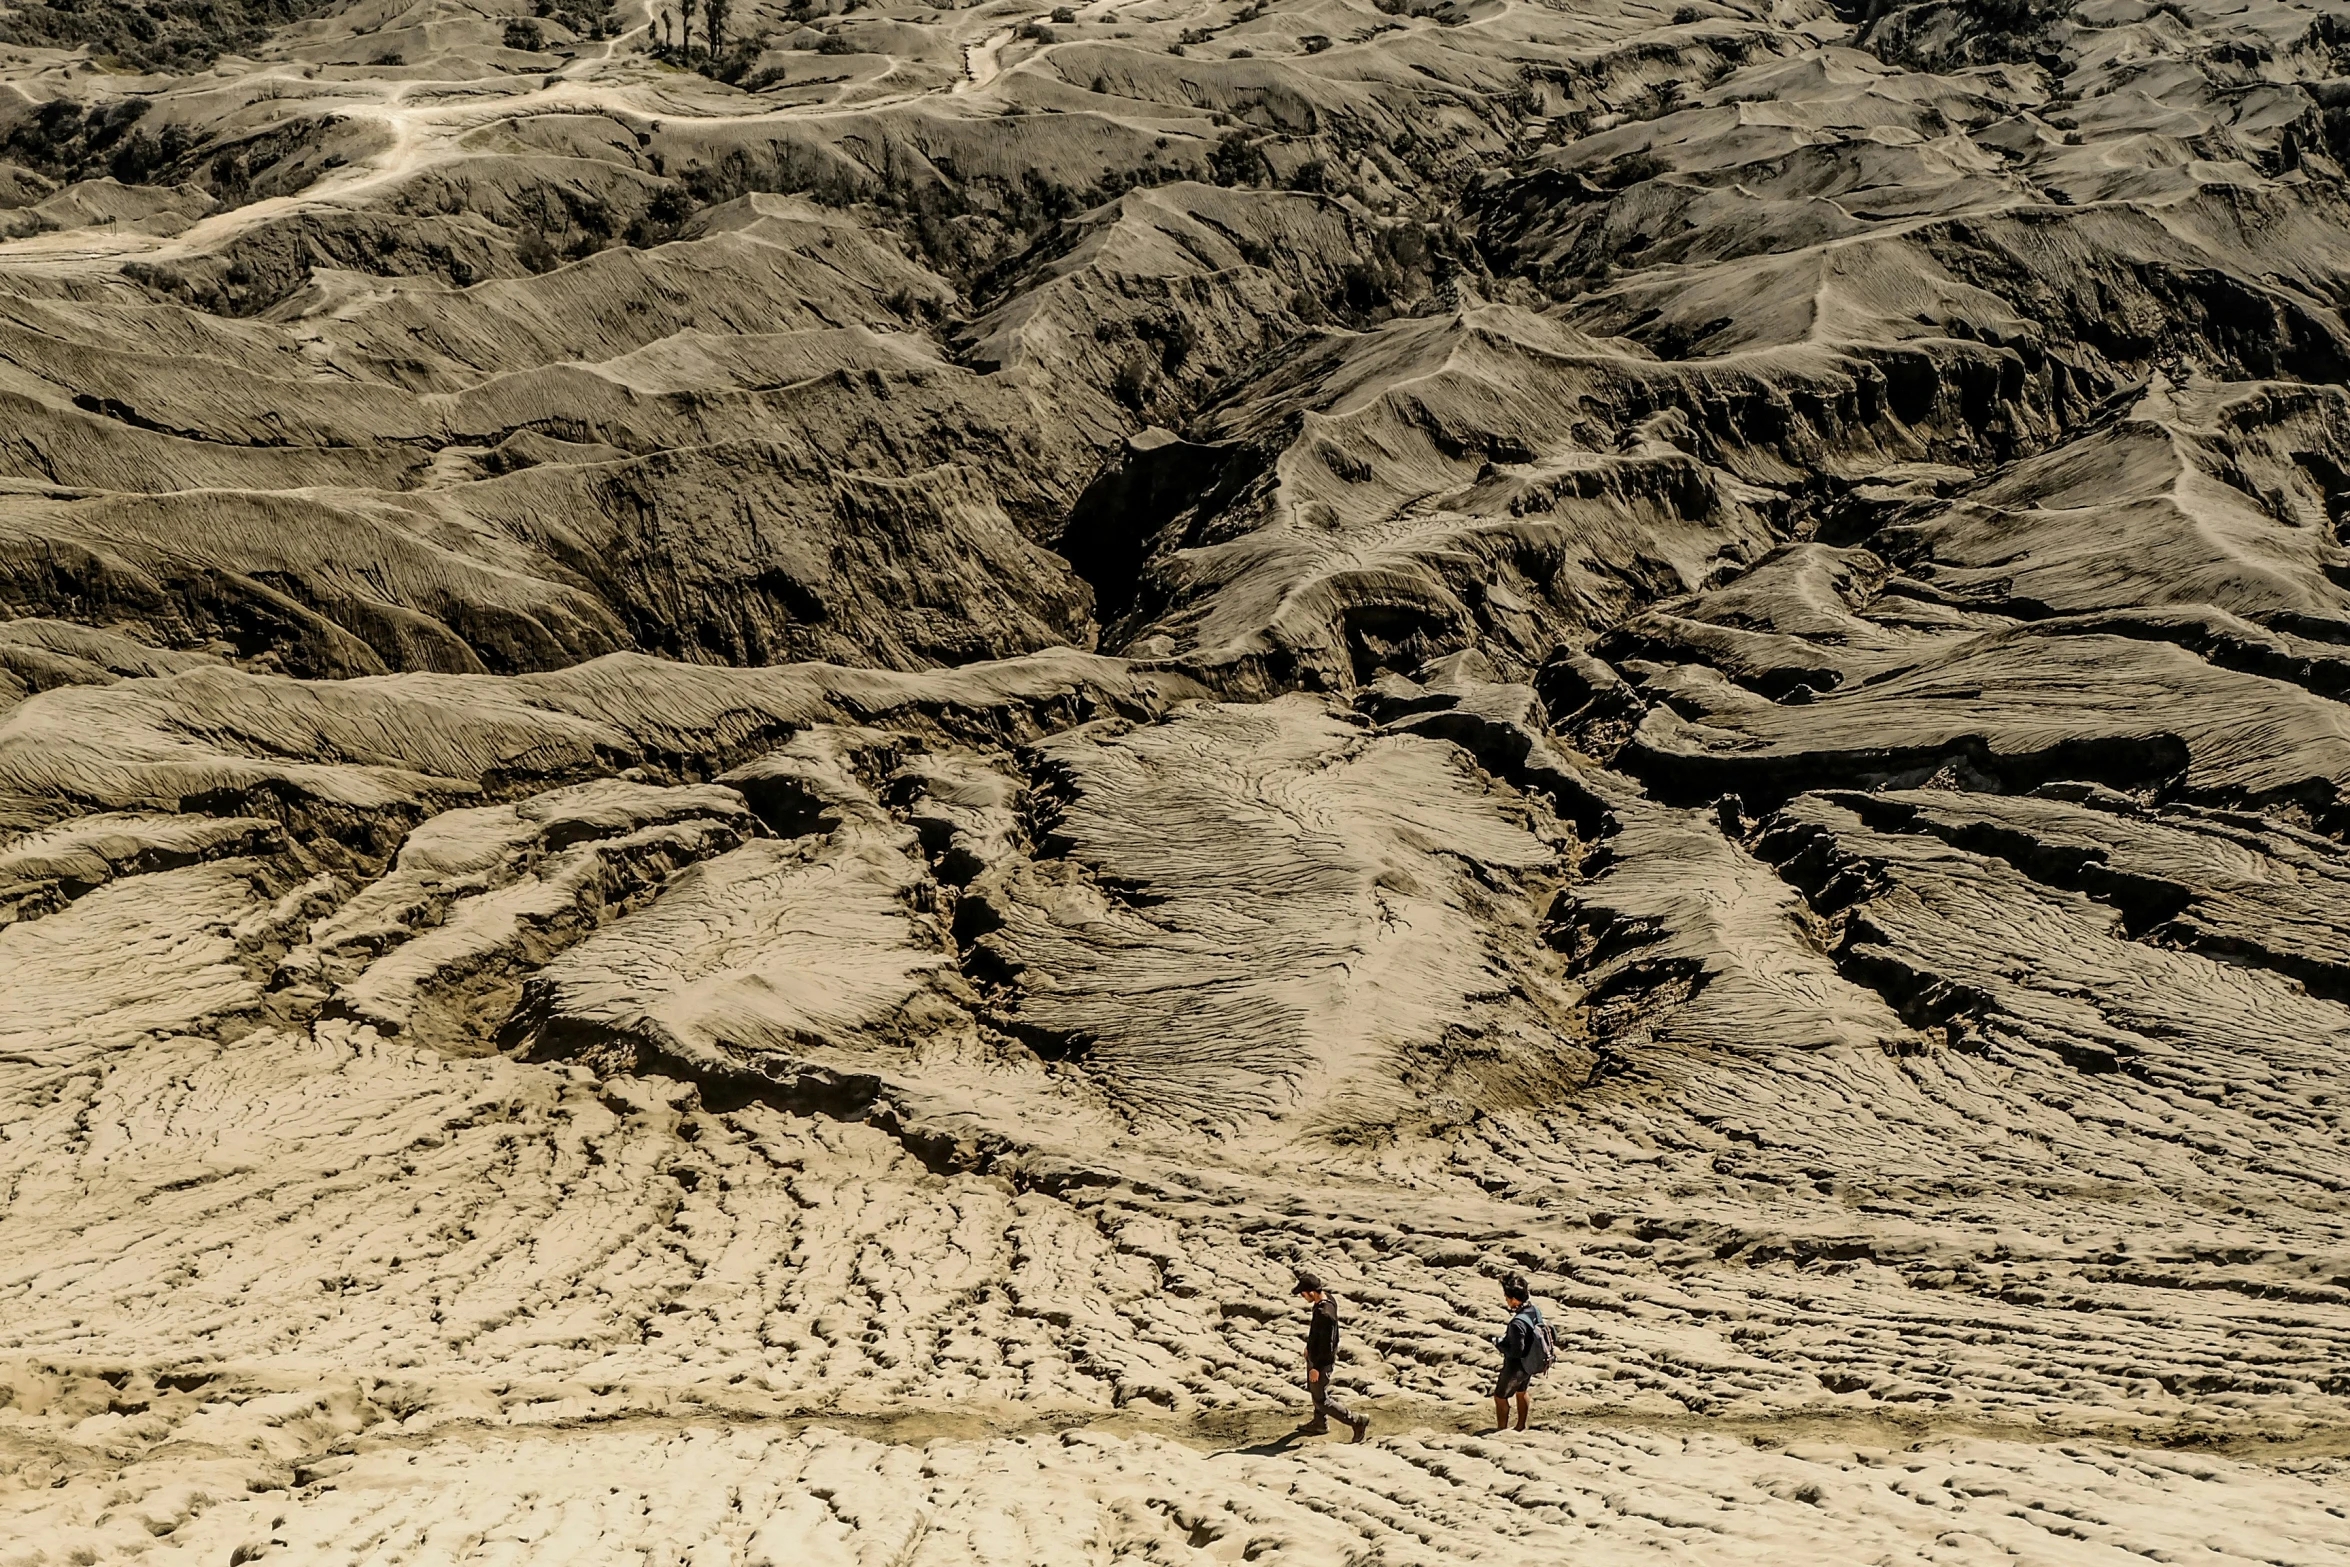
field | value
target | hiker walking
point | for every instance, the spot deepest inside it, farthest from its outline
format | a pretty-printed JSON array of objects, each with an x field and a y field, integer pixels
[
  {"x": 1526, "y": 1353},
  {"x": 1322, "y": 1359}
]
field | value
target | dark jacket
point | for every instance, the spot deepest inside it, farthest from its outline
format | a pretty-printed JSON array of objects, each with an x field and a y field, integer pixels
[
  {"x": 1322, "y": 1334},
  {"x": 1518, "y": 1339}
]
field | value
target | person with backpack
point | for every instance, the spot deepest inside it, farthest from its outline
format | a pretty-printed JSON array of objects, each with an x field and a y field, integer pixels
[
  {"x": 1322, "y": 1359},
  {"x": 1526, "y": 1353}
]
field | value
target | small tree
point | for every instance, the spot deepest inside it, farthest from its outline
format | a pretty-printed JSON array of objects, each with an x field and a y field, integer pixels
[
  {"x": 714, "y": 13},
  {"x": 686, "y": 10}
]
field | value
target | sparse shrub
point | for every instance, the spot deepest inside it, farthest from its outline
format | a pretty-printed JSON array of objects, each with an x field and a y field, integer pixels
[
  {"x": 1314, "y": 43},
  {"x": 523, "y": 34},
  {"x": 586, "y": 18},
  {"x": 1064, "y": 14},
  {"x": 1134, "y": 382},
  {"x": 153, "y": 35},
  {"x": 1634, "y": 168},
  {"x": 1523, "y": 100},
  {"x": 1175, "y": 338},
  {"x": 659, "y": 222},
  {"x": 736, "y": 65},
  {"x": 535, "y": 252},
  {"x": 1237, "y": 161},
  {"x": 66, "y": 140},
  {"x": 142, "y": 156}
]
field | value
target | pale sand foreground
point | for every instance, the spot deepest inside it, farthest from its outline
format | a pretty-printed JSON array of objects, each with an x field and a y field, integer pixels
[
  {"x": 331, "y": 1298},
  {"x": 820, "y": 1497}
]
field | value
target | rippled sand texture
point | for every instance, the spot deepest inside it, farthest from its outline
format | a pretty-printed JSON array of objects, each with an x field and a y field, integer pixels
[{"x": 730, "y": 807}]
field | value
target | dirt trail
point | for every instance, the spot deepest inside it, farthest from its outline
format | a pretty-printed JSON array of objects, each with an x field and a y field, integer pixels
[{"x": 982, "y": 61}]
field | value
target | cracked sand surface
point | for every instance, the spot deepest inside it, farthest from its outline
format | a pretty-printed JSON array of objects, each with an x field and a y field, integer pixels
[{"x": 728, "y": 810}]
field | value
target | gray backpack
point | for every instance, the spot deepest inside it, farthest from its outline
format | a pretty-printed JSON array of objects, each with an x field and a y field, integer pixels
[{"x": 1541, "y": 1351}]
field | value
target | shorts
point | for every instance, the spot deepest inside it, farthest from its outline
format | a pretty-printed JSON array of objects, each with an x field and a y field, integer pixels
[{"x": 1513, "y": 1379}]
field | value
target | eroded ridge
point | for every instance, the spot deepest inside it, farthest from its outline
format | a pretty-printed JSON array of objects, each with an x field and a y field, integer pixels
[{"x": 742, "y": 775}]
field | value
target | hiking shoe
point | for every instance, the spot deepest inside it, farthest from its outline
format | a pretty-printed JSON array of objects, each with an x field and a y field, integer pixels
[
  {"x": 1315, "y": 1428},
  {"x": 1362, "y": 1424}
]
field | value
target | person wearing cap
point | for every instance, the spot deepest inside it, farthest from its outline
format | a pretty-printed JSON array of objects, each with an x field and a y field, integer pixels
[{"x": 1322, "y": 1359}]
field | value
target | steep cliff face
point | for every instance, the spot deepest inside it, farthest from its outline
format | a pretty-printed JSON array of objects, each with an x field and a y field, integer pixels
[{"x": 754, "y": 777}]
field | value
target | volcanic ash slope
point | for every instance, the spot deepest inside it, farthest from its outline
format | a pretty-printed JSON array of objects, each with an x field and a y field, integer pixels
[{"x": 736, "y": 791}]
